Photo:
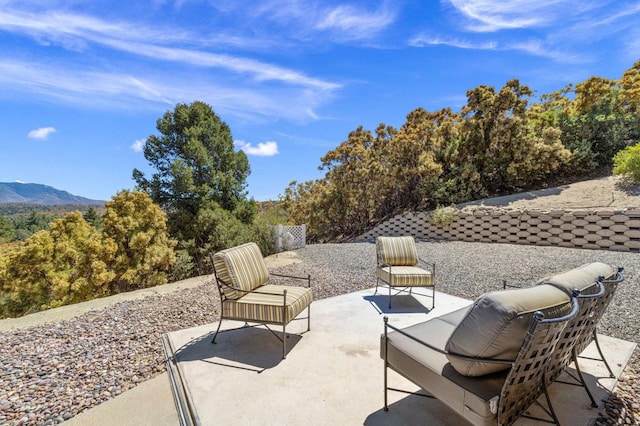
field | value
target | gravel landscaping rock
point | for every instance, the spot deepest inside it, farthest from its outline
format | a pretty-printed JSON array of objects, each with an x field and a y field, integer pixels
[{"x": 52, "y": 372}]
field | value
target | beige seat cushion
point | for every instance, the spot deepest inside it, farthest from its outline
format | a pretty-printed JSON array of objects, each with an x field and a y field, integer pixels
[
  {"x": 405, "y": 276},
  {"x": 265, "y": 304},
  {"x": 497, "y": 323}
]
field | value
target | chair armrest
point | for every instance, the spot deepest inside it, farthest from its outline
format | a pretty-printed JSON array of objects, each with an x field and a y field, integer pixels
[
  {"x": 431, "y": 265},
  {"x": 222, "y": 283},
  {"x": 307, "y": 278},
  {"x": 601, "y": 291},
  {"x": 618, "y": 278},
  {"x": 245, "y": 292}
]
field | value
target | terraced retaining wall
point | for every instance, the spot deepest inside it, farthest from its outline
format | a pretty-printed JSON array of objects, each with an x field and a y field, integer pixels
[{"x": 588, "y": 229}]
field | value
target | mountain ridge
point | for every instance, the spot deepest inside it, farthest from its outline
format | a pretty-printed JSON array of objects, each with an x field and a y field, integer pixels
[{"x": 36, "y": 193}]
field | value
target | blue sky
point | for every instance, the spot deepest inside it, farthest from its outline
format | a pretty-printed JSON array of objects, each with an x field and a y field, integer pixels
[{"x": 82, "y": 83}]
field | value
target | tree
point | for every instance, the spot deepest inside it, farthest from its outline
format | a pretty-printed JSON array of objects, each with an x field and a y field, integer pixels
[
  {"x": 138, "y": 230},
  {"x": 630, "y": 89},
  {"x": 66, "y": 264},
  {"x": 92, "y": 216},
  {"x": 6, "y": 230},
  {"x": 197, "y": 169},
  {"x": 79, "y": 261},
  {"x": 501, "y": 150}
]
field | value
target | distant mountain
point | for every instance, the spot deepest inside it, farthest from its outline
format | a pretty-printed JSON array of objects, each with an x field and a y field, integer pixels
[{"x": 35, "y": 193}]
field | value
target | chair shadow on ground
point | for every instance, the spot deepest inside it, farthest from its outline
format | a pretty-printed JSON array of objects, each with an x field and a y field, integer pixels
[
  {"x": 403, "y": 412},
  {"x": 400, "y": 304},
  {"x": 433, "y": 411},
  {"x": 250, "y": 347}
]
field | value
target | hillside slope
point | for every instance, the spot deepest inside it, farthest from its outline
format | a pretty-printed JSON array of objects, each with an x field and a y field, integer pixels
[
  {"x": 35, "y": 193},
  {"x": 605, "y": 192}
]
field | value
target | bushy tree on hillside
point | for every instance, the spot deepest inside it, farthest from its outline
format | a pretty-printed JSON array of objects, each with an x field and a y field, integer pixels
[
  {"x": 143, "y": 251},
  {"x": 497, "y": 144},
  {"x": 630, "y": 90},
  {"x": 6, "y": 230},
  {"x": 73, "y": 261},
  {"x": 597, "y": 118},
  {"x": 67, "y": 264},
  {"x": 197, "y": 173},
  {"x": 501, "y": 150}
]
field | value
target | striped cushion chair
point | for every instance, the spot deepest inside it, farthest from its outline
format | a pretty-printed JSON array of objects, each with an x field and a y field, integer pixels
[
  {"x": 242, "y": 277},
  {"x": 398, "y": 266}
]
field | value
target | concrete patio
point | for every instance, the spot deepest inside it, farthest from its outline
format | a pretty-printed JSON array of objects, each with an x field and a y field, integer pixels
[{"x": 332, "y": 374}]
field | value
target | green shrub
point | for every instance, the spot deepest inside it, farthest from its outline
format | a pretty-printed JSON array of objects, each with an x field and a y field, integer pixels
[
  {"x": 184, "y": 267},
  {"x": 442, "y": 217},
  {"x": 627, "y": 163}
]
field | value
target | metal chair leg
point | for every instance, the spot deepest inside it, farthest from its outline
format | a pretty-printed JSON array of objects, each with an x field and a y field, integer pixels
[
  {"x": 594, "y": 404},
  {"x": 552, "y": 412},
  {"x": 217, "y": 331},
  {"x": 284, "y": 341},
  {"x": 386, "y": 363},
  {"x": 595, "y": 339}
]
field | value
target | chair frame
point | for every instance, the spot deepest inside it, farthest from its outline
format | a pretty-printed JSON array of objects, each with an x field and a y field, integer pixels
[
  {"x": 583, "y": 330},
  {"x": 223, "y": 298},
  {"x": 427, "y": 266},
  {"x": 591, "y": 334},
  {"x": 575, "y": 332},
  {"x": 526, "y": 380}
]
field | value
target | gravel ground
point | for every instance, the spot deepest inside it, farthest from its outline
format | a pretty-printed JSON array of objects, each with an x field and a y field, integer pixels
[{"x": 52, "y": 372}]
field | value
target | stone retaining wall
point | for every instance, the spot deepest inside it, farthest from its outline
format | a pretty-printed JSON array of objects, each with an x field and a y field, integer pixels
[{"x": 588, "y": 229}]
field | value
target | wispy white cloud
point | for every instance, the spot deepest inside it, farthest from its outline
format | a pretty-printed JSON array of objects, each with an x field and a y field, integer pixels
[
  {"x": 531, "y": 46},
  {"x": 321, "y": 21},
  {"x": 84, "y": 87},
  {"x": 354, "y": 23},
  {"x": 494, "y": 15},
  {"x": 188, "y": 69},
  {"x": 632, "y": 46},
  {"x": 259, "y": 70},
  {"x": 138, "y": 145},
  {"x": 263, "y": 149},
  {"x": 425, "y": 40},
  {"x": 41, "y": 133},
  {"x": 78, "y": 31},
  {"x": 116, "y": 89},
  {"x": 589, "y": 27}
]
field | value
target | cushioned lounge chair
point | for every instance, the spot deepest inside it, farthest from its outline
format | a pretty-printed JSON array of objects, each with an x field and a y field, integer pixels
[
  {"x": 398, "y": 266},
  {"x": 488, "y": 362},
  {"x": 242, "y": 277}
]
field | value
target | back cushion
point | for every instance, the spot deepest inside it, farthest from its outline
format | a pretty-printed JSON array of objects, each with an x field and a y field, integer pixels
[
  {"x": 582, "y": 278},
  {"x": 497, "y": 323},
  {"x": 397, "y": 251},
  {"x": 242, "y": 267}
]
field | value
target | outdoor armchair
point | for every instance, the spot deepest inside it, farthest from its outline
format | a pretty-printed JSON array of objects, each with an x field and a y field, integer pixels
[
  {"x": 398, "y": 266},
  {"x": 242, "y": 276}
]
